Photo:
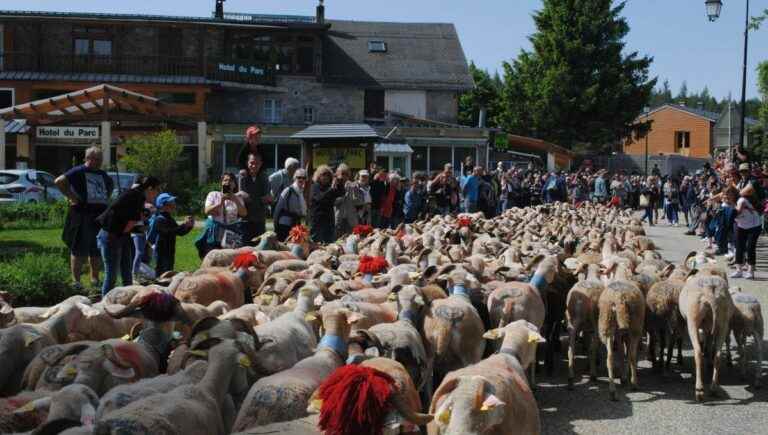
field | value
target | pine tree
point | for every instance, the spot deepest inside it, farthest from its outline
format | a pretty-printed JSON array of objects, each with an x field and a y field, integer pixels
[
  {"x": 485, "y": 94},
  {"x": 682, "y": 95},
  {"x": 577, "y": 85}
]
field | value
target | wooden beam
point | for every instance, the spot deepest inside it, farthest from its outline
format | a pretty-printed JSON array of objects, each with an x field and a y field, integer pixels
[{"x": 73, "y": 102}]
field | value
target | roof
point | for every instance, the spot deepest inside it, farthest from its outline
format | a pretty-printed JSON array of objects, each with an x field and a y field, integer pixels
[
  {"x": 393, "y": 148},
  {"x": 90, "y": 102},
  {"x": 418, "y": 56},
  {"x": 16, "y": 126},
  {"x": 337, "y": 131},
  {"x": 128, "y": 78},
  {"x": 530, "y": 143},
  {"x": 230, "y": 18},
  {"x": 733, "y": 109},
  {"x": 710, "y": 116}
]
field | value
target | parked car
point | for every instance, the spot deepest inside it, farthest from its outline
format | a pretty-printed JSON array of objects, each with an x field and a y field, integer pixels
[
  {"x": 126, "y": 181},
  {"x": 28, "y": 185}
]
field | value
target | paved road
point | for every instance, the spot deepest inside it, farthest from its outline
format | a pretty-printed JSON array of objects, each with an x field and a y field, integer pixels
[{"x": 662, "y": 405}]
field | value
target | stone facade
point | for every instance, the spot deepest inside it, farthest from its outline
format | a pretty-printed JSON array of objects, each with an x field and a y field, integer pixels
[{"x": 443, "y": 106}]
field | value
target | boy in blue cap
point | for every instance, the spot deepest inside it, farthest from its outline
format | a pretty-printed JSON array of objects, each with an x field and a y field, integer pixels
[{"x": 166, "y": 228}]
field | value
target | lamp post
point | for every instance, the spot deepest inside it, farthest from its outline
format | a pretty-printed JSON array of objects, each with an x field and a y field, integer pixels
[{"x": 713, "y": 12}]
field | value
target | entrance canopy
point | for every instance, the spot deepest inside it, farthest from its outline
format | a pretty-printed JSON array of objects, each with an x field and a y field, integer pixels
[
  {"x": 93, "y": 103},
  {"x": 333, "y": 144},
  {"x": 361, "y": 133}
]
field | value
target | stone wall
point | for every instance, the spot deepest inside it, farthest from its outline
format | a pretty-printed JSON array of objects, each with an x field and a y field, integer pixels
[{"x": 442, "y": 106}]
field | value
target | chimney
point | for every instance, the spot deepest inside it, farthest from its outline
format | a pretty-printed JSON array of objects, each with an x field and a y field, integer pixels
[
  {"x": 219, "y": 14},
  {"x": 320, "y": 14},
  {"x": 481, "y": 118}
]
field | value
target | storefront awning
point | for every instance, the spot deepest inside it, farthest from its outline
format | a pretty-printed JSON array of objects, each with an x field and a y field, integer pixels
[
  {"x": 392, "y": 148},
  {"x": 347, "y": 132},
  {"x": 16, "y": 126}
]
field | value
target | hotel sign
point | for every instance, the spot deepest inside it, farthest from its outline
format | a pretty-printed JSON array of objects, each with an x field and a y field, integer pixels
[
  {"x": 68, "y": 132},
  {"x": 241, "y": 69}
]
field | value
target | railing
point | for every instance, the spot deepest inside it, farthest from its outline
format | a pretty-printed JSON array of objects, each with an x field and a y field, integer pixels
[
  {"x": 263, "y": 18},
  {"x": 213, "y": 69}
]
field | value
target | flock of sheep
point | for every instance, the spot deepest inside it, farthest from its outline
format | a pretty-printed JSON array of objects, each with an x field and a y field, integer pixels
[{"x": 452, "y": 316}]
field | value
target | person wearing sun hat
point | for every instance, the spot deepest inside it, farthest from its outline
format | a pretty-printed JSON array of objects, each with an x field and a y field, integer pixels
[{"x": 167, "y": 229}]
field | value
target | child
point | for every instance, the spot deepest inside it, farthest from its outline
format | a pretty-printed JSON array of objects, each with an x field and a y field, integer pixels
[
  {"x": 167, "y": 229},
  {"x": 141, "y": 255}
]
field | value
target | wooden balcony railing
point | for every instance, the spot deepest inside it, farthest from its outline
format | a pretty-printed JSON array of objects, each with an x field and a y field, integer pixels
[{"x": 214, "y": 69}]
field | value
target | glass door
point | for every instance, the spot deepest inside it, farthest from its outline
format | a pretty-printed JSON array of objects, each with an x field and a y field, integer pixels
[{"x": 398, "y": 163}]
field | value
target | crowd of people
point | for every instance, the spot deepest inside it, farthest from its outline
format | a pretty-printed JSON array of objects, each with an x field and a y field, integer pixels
[{"x": 723, "y": 204}]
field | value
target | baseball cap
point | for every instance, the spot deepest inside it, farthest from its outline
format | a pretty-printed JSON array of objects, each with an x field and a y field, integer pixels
[
  {"x": 364, "y": 173},
  {"x": 163, "y": 199},
  {"x": 744, "y": 167}
]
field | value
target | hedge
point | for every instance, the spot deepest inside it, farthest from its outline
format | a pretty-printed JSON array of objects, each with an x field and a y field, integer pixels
[
  {"x": 33, "y": 215},
  {"x": 37, "y": 279}
]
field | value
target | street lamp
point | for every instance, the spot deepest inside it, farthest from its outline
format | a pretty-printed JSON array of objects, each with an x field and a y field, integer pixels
[{"x": 713, "y": 11}]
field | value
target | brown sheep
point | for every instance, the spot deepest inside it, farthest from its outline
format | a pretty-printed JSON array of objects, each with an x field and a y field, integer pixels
[
  {"x": 747, "y": 321},
  {"x": 582, "y": 316}
]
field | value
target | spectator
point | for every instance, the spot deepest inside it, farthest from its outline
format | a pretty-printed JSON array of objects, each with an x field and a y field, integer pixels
[
  {"x": 325, "y": 190},
  {"x": 646, "y": 200},
  {"x": 255, "y": 184},
  {"x": 364, "y": 210},
  {"x": 142, "y": 254},
  {"x": 671, "y": 200},
  {"x": 251, "y": 146},
  {"x": 378, "y": 189},
  {"x": 471, "y": 189},
  {"x": 224, "y": 209},
  {"x": 283, "y": 178},
  {"x": 601, "y": 191},
  {"x": 117, "y": 221},
  {"x": 291, "y": 207},
  {"x": 725, "y": 219},
  {"x": 167, "y": 230},
  {"x": 415, "y": 200},
  {"x": 441, "y": 188},
  {"x": 87, "y": 188},
  {"x": 656, "y": 172},
  {"x": 347, "y": 205},
  {"x": 392, "y": 203},
  {"x": 748, "y": 228},
  {"x": 486, "y": 197},
  {"x": 686, "y": 188}
]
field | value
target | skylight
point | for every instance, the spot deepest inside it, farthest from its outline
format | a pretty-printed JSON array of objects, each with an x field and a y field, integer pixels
[{"x": 377, "y": 46}]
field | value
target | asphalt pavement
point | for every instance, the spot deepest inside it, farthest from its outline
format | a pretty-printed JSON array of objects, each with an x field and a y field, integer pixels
[{"x": 662, "y": 404}]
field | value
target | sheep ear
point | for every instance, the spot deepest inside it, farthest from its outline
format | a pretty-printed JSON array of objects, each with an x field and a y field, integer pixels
[
  {"x": 444, "y": 416},
  {"x": 117, "y": 370},
  {"x": 691, "y": 273},
  {"x": 494, "y": 334},
  {"x": 87, "y": 414},
  {"x": 535, "y": 337},
  {"x": 203, "y": 324},
  {"x": 50, "y": 312},
  {"x": 39, "y": 405},
  {"x": 353, "y": 318},
  {"x": 490, "y": 403},
  {"x": 88, "y": 311},
  {"x": 31, "y": 336},
  {"x": 392, "y": 297}
]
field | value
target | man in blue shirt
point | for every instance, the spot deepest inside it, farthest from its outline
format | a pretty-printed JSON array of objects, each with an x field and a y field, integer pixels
[
  {"x": 601, "y": 191},
  {"x": 414, "y": 199},
  {"x": 471, "y": 189}
]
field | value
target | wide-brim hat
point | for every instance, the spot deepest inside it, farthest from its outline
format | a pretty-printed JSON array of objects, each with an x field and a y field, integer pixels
[{"x": 744, "y": 167}]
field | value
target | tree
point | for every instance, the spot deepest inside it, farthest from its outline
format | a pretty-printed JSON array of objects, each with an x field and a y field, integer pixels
[
  {"x": 759, "y": 134},
  {"x": 155, "y": 154},
  {"x": 577, "y": 85},
  {"x": 485, "y": 94},
  {"x": 682, "y": 95}
]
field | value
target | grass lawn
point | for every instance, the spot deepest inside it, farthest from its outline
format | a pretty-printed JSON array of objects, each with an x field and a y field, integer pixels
[{"x": 17, "y": 242}]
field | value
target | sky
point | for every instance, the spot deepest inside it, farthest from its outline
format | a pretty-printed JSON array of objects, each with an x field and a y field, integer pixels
[{"x": 676, "y": 33}]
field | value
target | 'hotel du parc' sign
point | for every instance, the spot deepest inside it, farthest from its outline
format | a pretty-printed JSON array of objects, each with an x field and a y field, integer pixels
[{"x": 68, "y": 132}]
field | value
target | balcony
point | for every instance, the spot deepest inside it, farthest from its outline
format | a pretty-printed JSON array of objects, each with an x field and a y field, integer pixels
[{"x": 211, "y": 69}]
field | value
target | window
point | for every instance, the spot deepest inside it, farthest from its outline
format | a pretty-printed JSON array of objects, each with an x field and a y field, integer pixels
[
  {"x": 682, "y": 140},
  {"x": 377, "y": 46},
  {"x": 102, "y": 47},
  {"x": 176, "y": 97},
  {"x": 273, "y": 111},
  {"x": 82, "y": 47},
  {"x": 460, "y": 155},
  {"x": 419, "y": 158},
  {"x": 7, "y": 97},
  {"x": 438, "y": 157},
  {"x": 309, "y": 115},
  {"x": 306, "y": 60},
  {"x": 374, "y": 103}
]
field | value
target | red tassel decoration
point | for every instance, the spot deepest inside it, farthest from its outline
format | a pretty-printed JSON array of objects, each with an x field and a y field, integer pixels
[
  {"x": 355, "y": 401},
  {"x": 299, "y": 234},
  {"x": 362, "y": 230},
  {"x": 245, "y": 260},
  {"x": 464, "y": 222},
  {"x": 372, "y": 265}
]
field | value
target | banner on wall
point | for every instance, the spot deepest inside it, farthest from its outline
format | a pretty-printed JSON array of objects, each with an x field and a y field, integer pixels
[{"x": 354, "y": 157}]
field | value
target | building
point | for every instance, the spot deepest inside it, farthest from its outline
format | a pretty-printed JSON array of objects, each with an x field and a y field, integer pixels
[
  {"x": 217, "y": 75},
  {"x": 728, "y": 127},
  {"x": 684, "y": 131}
]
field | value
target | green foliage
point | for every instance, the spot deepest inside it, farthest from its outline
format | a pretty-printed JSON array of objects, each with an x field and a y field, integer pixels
[
  {"x": 758, "y": 20},
  {"x": 38, "y": 279},
  {"x": 191, "y": 199},
  {"x": 485, "y": 94},
  {"x": 33, "y": 215},
  {"x": 759, "y": 134},
  {"x": 156, "y": 154},
  {"x": 577, "y": 86}
]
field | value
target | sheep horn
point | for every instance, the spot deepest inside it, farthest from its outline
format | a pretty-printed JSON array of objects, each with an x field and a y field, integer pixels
[{"x": 399, "y": 403}]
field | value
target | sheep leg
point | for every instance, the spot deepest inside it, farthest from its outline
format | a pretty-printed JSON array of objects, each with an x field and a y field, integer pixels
[
  {"x": 680, "y": 351},
  {"x": 728, "y": 357},
  {"x": 672, "y": 338},
  {"x": 571, "y": 355},
  {"x": 698, "y": 356},
  {"x": 594, "y": 344},
  {"x": 652, "y": 341},
  {"x": 624, "y": 355},
  {"x": 634, "y": 347},
  {"x": 741, "y": 348},
  {"x": 717, "y": 350},
  {"x": 609, "y": 363},
  {"x": 759, "y": 351}
]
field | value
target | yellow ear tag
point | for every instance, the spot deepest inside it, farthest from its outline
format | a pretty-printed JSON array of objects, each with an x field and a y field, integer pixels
[
  {"x": 310, "y": 317},
  {"x": 444, "y": 417},
  {"x": 317, "y": 404},
  {"x": 28, "y": 407},
  {"x": 267, "y": 299},
  {"x": 484, "y": 408},
  {"x": 244, "y": 361},
  {"x": 392, "y": 297},
  {"x": 533, "y": 337},
  {"x": 70, "y": 371},
  {"x": 202, "y": 336},
  {"x": 200, "y": 353},
  {"x": 126, "y": 337}
]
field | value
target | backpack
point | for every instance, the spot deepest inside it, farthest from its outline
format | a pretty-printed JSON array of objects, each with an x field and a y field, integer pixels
[{"x": 152, "y": 233}]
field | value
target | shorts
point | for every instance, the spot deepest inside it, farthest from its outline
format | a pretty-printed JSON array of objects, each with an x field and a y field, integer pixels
[{"x": 80, "y": 230}]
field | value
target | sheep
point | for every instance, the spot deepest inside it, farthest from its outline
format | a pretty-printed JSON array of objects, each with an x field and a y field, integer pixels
[
  {"x": 663, "y": 320},
  {"x": 188, "y": 409},
  {"x": 747, "y": 321},
  {"x": 620, "y": 324},
  {"x": 10, "y": 316},
  {"x": 285, "y": 395},
  {"x": 707, "y": 306},
  {"x": 74, "y": 403},
  {"x": 491, "y": 396},
  {"x": 582, "y": 316}
]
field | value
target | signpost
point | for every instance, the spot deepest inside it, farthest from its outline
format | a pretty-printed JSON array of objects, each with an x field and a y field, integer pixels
[{"x": 68, "y": 132}]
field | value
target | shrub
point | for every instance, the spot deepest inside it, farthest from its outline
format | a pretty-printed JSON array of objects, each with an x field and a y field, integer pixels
[
  {"x": 37, "y": 279},
  {"x": 191, "y": 200},
  {"x": 33, "y": 215}
]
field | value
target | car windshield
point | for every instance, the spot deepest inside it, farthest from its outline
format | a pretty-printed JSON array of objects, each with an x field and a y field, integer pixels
[
  {"x": 126, "y": 181},
  {"x": 6, "y": 178}
]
